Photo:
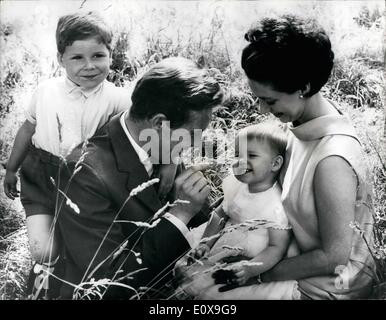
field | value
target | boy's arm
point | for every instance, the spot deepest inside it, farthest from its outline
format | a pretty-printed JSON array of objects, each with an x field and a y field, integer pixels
[{"x": 18, "y": 154}]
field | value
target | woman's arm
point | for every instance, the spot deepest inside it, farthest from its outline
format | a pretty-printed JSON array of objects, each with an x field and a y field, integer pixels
[
  {"x": 18, "y": 154},
  {"x": 335, "y": 185}
]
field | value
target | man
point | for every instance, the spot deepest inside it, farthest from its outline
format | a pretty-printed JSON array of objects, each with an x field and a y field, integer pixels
[{"x": 99, "y": 241}]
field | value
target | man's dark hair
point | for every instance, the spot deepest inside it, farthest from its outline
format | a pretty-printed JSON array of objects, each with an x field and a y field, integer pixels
[
  {"x": 80, "y": 26},
  {"x": 174, "y": 87},
  {"x": 288, "y": 53}
]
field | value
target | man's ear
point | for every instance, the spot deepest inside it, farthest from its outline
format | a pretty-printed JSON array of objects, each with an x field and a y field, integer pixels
[
  {"x": 158, "y": 120},
  {"x": 277, "y": 163},
  {"x": 59, "y": 56}
]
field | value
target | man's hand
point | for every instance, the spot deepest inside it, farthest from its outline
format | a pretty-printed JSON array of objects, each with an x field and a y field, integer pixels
[
  {"x": 10, "y": 181},
  {"x": 199, "y": 252},
  {"x": 190, "y": 185},
  {"x": 166, "y": 174}
]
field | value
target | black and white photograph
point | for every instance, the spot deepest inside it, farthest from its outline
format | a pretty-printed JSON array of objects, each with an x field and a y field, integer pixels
[{"x": 198, "y": 151}]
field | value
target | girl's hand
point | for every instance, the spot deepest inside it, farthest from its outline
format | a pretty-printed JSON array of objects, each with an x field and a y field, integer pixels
[
  {"x": 244, "y": 273},
  {"x": 247, "y": 273},
  {"x": 10, "y": 182},
  {"x": 236, "y": 277}
]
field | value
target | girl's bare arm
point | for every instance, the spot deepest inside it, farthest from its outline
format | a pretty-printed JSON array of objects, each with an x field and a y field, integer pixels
[{"x": 265, "y": 260}]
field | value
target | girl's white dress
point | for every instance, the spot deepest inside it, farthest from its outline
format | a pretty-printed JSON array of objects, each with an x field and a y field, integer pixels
[{"x": 246, "y": 232}]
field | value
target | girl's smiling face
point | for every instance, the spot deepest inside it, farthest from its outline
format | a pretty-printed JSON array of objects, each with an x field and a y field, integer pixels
[
  {"x": 254, "y": 163},
  {"x": 87, "y": 62},
  {"x": 287, "y": 107}
]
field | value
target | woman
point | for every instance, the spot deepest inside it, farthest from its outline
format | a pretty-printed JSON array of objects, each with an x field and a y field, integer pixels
[{"x": 325, "y": 195}]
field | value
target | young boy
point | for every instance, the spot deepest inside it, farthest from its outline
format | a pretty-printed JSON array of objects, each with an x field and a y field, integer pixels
[{"x": 63, "y": 113}]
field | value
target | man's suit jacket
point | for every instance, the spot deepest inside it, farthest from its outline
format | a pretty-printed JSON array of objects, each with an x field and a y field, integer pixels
[{"x": 109, "y": 171}]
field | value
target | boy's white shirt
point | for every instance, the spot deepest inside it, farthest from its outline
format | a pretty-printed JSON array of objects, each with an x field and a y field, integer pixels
[
  {"x": 145, "y": 160},
  {"x": 65, "y": 115}
]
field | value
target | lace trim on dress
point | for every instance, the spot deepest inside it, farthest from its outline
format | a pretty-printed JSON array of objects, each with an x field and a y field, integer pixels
[
  {"x": 280, "y": 227},
  {"x": 253, "y": 224},
  {"x": 296, "y": 294}
]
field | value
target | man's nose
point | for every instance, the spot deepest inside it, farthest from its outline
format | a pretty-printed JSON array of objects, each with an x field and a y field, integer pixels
[{"x": 263, "y": 106}]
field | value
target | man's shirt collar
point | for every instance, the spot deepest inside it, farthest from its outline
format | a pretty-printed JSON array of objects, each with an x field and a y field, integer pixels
[{"x": 142, "y": 154}]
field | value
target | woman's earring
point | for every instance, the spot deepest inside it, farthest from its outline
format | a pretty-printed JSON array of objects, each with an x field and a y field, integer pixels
[{"x": 301, "y": 96}]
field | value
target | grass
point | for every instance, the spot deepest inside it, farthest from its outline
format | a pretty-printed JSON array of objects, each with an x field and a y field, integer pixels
[
  {"x": 148, "y": 32},
  {"x": 14, "y": 251}
]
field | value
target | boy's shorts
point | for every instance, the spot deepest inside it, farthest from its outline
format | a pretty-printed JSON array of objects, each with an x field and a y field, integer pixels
[{"x": 38, "y": 192}]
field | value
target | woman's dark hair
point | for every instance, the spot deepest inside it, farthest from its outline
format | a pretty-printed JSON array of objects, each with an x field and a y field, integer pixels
[
  {"x": 174, "y": 87},
  {"x": 288, "y": 53},
  {"x": 80, "y": 26}
]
